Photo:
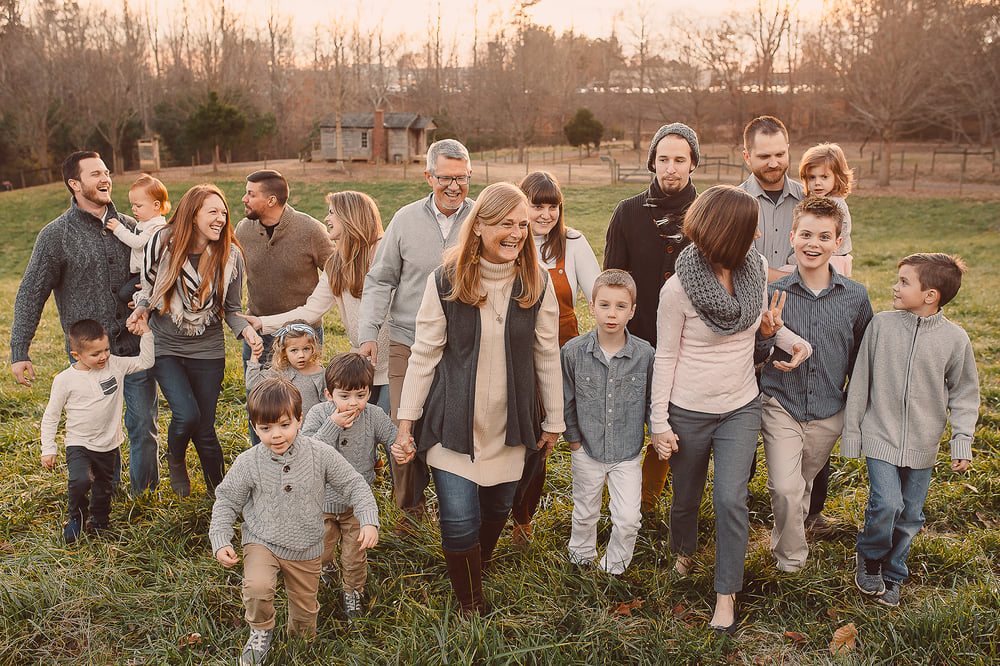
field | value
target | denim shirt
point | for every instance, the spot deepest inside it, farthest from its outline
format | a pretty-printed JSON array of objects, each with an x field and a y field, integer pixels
[{"x": 607, "y": 405}]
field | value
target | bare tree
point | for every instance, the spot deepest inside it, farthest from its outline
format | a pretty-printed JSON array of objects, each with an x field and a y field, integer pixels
[{"x": 884, "y": 55}]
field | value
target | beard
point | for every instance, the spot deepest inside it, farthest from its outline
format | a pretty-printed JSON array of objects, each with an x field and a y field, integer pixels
[
  {"x": 95, "y": 196},
  {"x": 250, "y": 213},
  {"x": 671, "y": 187},
  {"x": 770, "y": 176}
]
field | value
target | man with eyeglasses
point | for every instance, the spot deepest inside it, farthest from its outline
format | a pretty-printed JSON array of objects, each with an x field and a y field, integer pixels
[{"x": 411, "y": 249}]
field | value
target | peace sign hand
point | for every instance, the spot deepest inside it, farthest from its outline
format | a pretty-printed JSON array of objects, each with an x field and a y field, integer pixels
[{"x": 770, "y": 319}]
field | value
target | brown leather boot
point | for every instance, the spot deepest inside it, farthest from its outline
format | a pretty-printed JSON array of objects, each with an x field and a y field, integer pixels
[
  {"x": 489, "y": 534},
  {"x": 466, "y": 573},
  {"x": 520, "y": 536},
  {"x": 180, "y": 483}
]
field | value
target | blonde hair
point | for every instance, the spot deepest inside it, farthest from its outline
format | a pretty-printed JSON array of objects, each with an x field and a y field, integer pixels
[
  {"x": 832, "y": 157},
  {"x": 461, "y": 262},
  {"x": 362, "y": 229},
  {"x": 156, "y": 191},
  {"x": 293, "y": 330},
  {"x": 178, "y": 236}
]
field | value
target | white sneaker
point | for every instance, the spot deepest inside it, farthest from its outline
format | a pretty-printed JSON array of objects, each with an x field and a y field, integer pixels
[
  {"x": 353, "y": 608},
  {"x": 256, "y": 647}
]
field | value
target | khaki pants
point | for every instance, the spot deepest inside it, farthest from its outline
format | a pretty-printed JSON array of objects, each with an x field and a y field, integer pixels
[
  {"x": 345, "y": 528},
  {"x": 795, "y": 453},
  {"x": 260, "y": 579},
  {"x": 409, "y": 480}
]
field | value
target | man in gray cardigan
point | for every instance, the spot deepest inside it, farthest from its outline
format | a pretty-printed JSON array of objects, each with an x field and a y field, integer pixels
[
  {"x": 411, "y": 249},
  {"x": 78, "y": 259}
]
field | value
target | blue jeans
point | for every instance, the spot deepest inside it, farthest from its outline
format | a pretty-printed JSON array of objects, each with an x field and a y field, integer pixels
[
  {"x": 380, "y": 398},
  {"x": 730, "y": 439},
  {"x": 894, "y": 515},
  {"x": 191, "y": 387},
  {"x": 464, "y": 505},
  {"x": 265, "y": 360},
  {"x": 141, "y": 409}
]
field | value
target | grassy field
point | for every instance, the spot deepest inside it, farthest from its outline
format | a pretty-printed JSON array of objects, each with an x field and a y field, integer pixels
[{"x": 143, "y": 596}]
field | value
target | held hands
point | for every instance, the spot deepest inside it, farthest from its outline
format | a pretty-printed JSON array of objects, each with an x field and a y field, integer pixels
[
  {"x": 369, "y": 349},
  {"x": 227, "y": 556},
  {"x": 23, "y": 371},
  {"x": 251, "y": 337},
  {"x": 665, "y": 444},
  {"x": 137, "y": 320},
  {"x": 770, "y": 319},
  {"x": 368, "y": 537},
  {"x": 960, "y": 465},
  {"x": 799, "y": 354},
  {"x": 403, "y": 449},
  {"x": 547, "y": 443},
  {"x": 49, "y": 461}
]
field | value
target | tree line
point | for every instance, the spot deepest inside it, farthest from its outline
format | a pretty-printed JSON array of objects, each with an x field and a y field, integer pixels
[{"x": 213, "y": 83}]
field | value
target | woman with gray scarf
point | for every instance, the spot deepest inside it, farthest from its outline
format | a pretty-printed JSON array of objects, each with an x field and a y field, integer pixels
[{"x": 706, "y": 403}]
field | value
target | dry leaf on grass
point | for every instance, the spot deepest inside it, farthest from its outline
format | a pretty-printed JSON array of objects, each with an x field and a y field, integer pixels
[
  {"x": 5, "y": 547},
  {"x": 843, "y": 639},
  {"x": 831, "y": 613},
  {"x": 626, "y": 607},
  {"x": 796, "y": 637},
  {"x": 190, "y": 639}
]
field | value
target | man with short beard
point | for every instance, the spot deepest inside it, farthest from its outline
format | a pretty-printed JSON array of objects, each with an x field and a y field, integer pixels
[
  {"x": 84, "y": 264},
  {"x": 645, "y": 235},
  {"x": 765, "y": 150},
  {"x": 285, "y": 252}
]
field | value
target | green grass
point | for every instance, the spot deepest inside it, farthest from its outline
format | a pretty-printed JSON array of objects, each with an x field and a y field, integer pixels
[{"x": 138, "y": 597}]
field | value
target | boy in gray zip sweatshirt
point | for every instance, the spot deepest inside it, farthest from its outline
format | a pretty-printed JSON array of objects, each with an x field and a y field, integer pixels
[{"x": 915, "y": 371}]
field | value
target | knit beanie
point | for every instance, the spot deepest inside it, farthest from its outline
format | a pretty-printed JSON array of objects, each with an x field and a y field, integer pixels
[{"x": 681, "y": 130}]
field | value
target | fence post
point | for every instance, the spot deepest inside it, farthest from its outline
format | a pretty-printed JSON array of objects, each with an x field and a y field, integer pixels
[
  {"x": 569, "y": 174},
  {"x": 902, "y": 154},
  {"x": 933, "y": 157},
  {"x": 487, "y": 173},
  {"x": 961, "y": 177},
  {"x": 913, "y": 185}
]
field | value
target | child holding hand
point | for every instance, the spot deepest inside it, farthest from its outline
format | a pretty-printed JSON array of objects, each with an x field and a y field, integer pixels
[
  {"x": 914, "y": 373},
  {"x": 91, "y": 392},
  {"x": 295, "y": 357},
  {"x": 280, "y": 489},
  {"x": 606, "y": 391},
  {"x": 150, "y": 204},
  {"x": 354, "y": 427}
]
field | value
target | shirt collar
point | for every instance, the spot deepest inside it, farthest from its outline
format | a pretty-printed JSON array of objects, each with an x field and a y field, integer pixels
[
  {"x": 836, "y": 279},
  {"x": 594, "y": 346},
  {"x": 754, "y": 188}
]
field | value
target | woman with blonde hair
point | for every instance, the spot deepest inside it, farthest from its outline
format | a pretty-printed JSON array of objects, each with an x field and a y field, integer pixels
[
  {"x": 192, "y": 280},
  {"x": 487, "y": 336},
  {"x": 356, "y": 227}
]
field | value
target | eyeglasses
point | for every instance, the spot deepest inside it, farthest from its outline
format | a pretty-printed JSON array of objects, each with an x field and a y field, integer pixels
[{"x": 446, "y": 181}]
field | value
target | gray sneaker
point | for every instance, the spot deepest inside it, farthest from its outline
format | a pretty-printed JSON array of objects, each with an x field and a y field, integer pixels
[
  {"x": 891, "y": 596},
  {"x": 256, "y": 647},
  {"x": 869, "y": 577},
  {"x": 353, "y": 607}
]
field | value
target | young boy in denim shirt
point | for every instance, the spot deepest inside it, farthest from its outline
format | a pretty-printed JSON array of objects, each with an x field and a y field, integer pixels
[
  {"x": 803, "y": 409},
  {"x": 915, "y": 371},
  {"x": 606, "y": 384}
]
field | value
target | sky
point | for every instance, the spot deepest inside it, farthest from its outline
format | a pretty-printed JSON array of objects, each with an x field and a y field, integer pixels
[{"x": 591, "y": 17}]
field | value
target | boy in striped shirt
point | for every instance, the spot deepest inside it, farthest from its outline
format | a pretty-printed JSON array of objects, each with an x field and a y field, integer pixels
[{"x": 803, "y": 409}]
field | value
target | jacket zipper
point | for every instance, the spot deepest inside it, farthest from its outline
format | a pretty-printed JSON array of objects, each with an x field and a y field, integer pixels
[{"x": 906, "y": 391}]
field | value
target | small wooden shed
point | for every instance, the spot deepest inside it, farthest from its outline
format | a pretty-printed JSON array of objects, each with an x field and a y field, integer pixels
[{"x": 394, "y": 137}]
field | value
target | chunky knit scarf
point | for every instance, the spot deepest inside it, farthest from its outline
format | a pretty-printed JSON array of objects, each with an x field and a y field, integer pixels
[{"x": 721, "y": 311}]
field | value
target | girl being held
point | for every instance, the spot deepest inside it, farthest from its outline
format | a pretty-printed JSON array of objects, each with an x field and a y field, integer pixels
[
  {"x": 824, "y": 172},
  {"x": 297, "y": 355},
  {"x": 149, "y": 200}
]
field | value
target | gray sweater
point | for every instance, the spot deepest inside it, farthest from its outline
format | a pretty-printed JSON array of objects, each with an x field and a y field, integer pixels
[
  {"x": 76, "y": 257},
  {"x": 911, "y": 374},
  {"x": 310, "y": 386},
  {"x": 281, "y": 498},
  {"x": 357, "y": 444},
  {"x": 410, "y": 251}
]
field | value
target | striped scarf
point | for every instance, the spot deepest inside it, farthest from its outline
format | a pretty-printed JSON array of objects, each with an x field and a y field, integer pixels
[{"x": 189, "y": 316}]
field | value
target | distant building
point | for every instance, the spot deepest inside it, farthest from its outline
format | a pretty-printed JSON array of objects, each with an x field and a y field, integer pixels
[{"x": 393, "y": 137}]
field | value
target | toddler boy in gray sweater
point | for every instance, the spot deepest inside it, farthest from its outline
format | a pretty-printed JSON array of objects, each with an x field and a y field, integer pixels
[
  {"x": 353, "y": 427},
  {"x": 914, "y": 372},
  {"x": 280, "y": 488}
]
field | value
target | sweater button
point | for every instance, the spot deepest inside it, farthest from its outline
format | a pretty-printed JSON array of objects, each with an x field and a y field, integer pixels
[
  {"x": 288, "y": 489},
  {"x": 670, "y": 249},
  {"x": 287, "y": 468},
  {"x": 666, "y": 276}
]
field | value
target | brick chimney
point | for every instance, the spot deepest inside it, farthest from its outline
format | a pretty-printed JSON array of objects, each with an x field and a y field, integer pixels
[{"x": 380, "y": 148}]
